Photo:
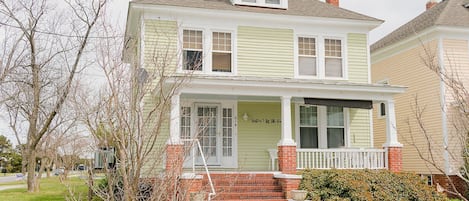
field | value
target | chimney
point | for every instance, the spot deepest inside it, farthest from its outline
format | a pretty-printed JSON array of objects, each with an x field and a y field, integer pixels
[
  {"x": 431, "y": 3},
  {"x": 333, "y": 2}
]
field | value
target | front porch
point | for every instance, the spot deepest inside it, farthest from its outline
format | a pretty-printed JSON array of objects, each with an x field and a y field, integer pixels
[{"x": 252, "y": 125}]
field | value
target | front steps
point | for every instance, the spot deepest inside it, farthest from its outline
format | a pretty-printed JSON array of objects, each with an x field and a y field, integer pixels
[{"x": 245, "y": 186}]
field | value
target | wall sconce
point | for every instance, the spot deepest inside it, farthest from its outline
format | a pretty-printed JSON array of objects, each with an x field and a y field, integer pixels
[{"x": 245, "y": 116}]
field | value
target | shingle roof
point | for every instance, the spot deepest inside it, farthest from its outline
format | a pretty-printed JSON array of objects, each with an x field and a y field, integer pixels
[
  {"x": 446, "y": 13},
  {"x": 313, "y": 8}
]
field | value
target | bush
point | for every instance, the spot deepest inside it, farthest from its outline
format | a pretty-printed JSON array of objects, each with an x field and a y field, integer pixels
[{"x": 364, "y": 185}]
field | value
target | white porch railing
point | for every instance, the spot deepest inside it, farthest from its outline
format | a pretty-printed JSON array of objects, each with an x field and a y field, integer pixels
[
  {"x": 341, "y": 159},
  {"x": 199, "y": 147}
]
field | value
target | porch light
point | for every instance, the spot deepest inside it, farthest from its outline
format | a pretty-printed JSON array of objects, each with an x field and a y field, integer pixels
[{"x": 245, "y": 116}]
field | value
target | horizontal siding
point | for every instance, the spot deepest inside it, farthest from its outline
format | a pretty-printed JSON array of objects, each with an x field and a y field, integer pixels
[
  {"x": 265, "y": 52},
  {"x": 359, "y": 128},
  {"x": 456, "y": 61},
  {"x": 407, "y": 69},
  {"x": 357, "y": 58},
  {"x": 255, "y": 138},
  {"x": 160, "y": 44}
]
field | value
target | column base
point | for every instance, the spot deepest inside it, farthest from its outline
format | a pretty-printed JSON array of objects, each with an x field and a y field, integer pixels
[
  {"x": 394, "y": 155},
  {"x": 289, "y": 182},
  {"x": 287, "y": 159}
]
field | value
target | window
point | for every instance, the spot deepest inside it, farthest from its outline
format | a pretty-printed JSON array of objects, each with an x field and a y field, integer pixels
[
  {"x": 227, "y": 132},
  {"x": 192, "y": 50},
  {"x": 307, "y": 56},
  {"x": 333, "y": 58},
  {"x": 221, "y": 52},
  {"x": 335, "y": 127},
  {"x": 321, "y": 127},
  {"x": 382, "y": 110},
  {"x": 308, "y": 127}
]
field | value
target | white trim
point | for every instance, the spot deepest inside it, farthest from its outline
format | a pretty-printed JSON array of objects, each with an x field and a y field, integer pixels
[
  {"x": 286, "y": 139},
  {"x": 444, "y": 118},
  {"x": 368, "y": 56},
  {"x": 372, "y": 140}
]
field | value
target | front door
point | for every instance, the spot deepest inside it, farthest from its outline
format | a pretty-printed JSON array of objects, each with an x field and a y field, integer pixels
[{"x": 214, "y": 125}]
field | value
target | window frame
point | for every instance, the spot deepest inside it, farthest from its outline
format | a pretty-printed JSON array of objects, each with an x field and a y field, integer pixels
[
  {"x": 206, "y": 51},
  {"x": 320, "y": 55},
  {"x": 210, "y": 67},
  {"x": 342, "y": 53},
  {"x": 298, "y": 55},
  {"x": 322, "y": 126},
  {"x": 263, "y": 3}
]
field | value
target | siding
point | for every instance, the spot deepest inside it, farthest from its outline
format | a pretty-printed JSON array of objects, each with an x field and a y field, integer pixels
[
  {"x": 160, "y": 44},
  {"x": 359, "y": 128},
  {"x": 255, "y": 138},
  {"x": 357, "y": 58},
  {"x": 265, "y": 52},
  {"x": 456, "y": 61},
  {"x": 407, "y": 68}
]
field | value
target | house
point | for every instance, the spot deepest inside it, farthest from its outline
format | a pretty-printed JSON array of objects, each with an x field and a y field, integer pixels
[
  {"x": 437, "y": 38},
  {"x": 270, "y": 80}
]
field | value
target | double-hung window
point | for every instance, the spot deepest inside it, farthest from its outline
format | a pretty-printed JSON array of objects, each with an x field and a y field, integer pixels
[
  {"x": 307, "y": 61},
  {"x": 221, "y": 52},
  {"x": 333, "y": 58},
  {"x": 192, "y": 50},
  {"x": 321, "y": 127}
]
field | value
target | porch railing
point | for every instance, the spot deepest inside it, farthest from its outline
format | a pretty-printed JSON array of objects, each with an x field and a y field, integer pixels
[
  {"x": 199, "y": 147},
  {"x": 341, "y": 159}
]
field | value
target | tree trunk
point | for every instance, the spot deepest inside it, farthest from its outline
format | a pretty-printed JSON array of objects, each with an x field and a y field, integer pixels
[{"x": 32, "y": 186}]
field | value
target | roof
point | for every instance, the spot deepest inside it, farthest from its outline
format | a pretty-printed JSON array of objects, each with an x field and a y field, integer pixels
[
  {"x": 311, "y": 8},
  {"x": 446, "y": 13}
]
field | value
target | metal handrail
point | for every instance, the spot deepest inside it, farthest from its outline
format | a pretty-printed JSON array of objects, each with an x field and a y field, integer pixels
[{"x": 212, "y": 188}]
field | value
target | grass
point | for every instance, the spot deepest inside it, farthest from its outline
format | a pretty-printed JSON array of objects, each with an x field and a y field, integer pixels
[{"x": 51, "y": 189}]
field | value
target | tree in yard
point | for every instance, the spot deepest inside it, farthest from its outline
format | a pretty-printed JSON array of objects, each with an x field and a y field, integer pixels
[
  {"x": 42, "y": 61},
  {"x": 456, "y": 110}
]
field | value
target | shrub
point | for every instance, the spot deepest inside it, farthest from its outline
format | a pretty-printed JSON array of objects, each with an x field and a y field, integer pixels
[{"x": 364, "y": 185}]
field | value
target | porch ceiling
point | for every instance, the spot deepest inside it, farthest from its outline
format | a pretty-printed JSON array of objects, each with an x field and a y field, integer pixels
[{"x": 270, "y": 88}]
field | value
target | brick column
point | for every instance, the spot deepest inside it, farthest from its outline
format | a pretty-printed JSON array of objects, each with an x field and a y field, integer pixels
[
  {"x": 287, "y": 159},
  {"x": 174, "y": 158},
  {"x": 191, "y": 184},
  {"x": 394, "y": 159}
]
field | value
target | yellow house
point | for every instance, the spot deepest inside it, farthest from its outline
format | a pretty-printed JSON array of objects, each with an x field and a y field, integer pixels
[{"x": 435, "y": 41}]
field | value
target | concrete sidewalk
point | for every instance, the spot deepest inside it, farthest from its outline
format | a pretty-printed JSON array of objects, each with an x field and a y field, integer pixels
[{"x": 6, "y": 187}]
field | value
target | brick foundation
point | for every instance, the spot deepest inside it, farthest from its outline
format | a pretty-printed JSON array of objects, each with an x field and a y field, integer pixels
[
  {"x": 444, "y": 182},
  {"x": 289, "y": 184},
  {"x": 395, "y": 159},
  {"x": 174, "y": 158},
  {"x": 190, "y": 186},
  {"x": 287, "y": 159}
]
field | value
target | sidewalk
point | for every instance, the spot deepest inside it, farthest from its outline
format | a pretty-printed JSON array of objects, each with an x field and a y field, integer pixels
[{"x": 6, "y": 187}]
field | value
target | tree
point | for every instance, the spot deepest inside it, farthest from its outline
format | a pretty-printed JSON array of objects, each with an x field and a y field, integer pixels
[
  {"x": 5, "y": 144},
  {"x": 46, "y": 56}
]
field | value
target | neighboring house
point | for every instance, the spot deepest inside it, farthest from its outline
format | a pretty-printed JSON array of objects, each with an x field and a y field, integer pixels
[
  {"x": 288, "y": 76},
  {"x": 441, "y": 32}
]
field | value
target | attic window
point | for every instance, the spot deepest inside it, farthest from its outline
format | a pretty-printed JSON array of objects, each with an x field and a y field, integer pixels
[{"x": 282, "y": 4}]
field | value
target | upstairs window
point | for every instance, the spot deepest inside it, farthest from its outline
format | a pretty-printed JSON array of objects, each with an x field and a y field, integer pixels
[
  {"x": 221, "y": 52},
  {"x": 263, "y": 3},
  {"x": 333, "y": 58},
  {"x": 307, "y": 60},
  {"x": 192, "y": 50}
]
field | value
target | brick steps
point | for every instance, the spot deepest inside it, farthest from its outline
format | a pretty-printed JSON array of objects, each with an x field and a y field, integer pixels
[{"x": 246, "y": 186}]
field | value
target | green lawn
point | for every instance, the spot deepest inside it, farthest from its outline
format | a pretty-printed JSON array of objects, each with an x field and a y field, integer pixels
[{"x": 51, "y": 189}]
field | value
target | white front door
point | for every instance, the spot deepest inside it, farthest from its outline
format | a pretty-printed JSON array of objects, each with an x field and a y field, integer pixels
[{"x": 214, "y": 125}]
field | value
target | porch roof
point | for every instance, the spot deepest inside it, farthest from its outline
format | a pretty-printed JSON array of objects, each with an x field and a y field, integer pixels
[{"x": 278, "y": 87}]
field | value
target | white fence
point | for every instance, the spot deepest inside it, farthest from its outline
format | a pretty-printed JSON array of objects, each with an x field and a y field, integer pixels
[{"x": 341, "y": 159}]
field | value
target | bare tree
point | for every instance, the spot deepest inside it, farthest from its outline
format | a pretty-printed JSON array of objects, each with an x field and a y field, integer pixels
[
  {"x": 457, "y": 112},
  {"x": 131, "y": 115},
  {"x": 45, "y": 58}
]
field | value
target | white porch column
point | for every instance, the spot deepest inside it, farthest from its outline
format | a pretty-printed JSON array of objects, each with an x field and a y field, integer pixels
[
  {"x": 391, "y": 131},
  {"x": 174, "y": 131},
  {"x": 286, "y": 139}
]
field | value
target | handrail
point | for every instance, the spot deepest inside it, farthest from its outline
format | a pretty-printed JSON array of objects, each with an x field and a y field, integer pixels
[
  {"x": 212, "y": 188},
  {"x": 341, "y": 158}
]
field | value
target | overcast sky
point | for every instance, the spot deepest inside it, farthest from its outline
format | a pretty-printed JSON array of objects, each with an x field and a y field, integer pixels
[{"x": 394, "y": 12}]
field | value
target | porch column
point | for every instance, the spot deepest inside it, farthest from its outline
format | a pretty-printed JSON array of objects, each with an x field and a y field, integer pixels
[
  {"x": 392, "y": 145},
  {"x": 286, "y": 145},
  {"x": 174, "y": 145}
]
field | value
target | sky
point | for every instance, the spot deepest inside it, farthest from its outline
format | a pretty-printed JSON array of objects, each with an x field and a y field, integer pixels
[{"x": 394, "y": 12}]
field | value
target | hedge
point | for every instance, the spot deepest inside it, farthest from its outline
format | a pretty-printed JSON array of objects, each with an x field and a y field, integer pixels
[{"x": 364, "y": 185}]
